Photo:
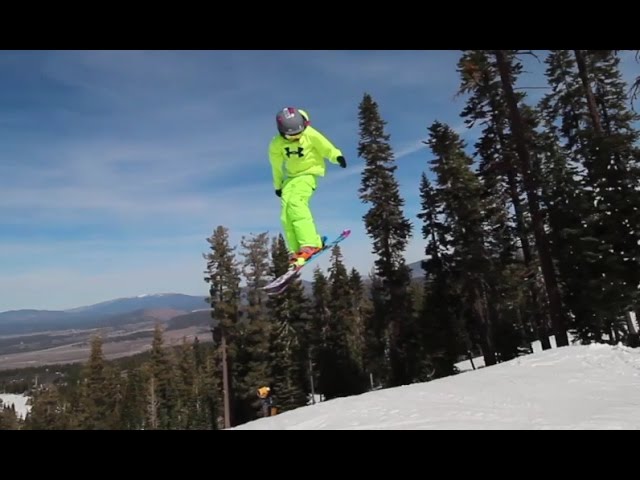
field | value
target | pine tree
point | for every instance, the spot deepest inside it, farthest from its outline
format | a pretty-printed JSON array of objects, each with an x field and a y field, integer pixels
[
  {"x": 360, "y": 311},
  {"x": 291, "y": 337},
  {"x": 208, "y": 396},
  {"x": 186, "y": 372},
  {"x": 459, "y": 193},
  {"x": 115, "y": 383},
  {"x": 198, "y": 354},
  {"x": 561, "y": 149},
  {"x": 47, "y": 411},
  {"x": 320, "y": 324},
  {"x": 133, "y": 413},
  {"x": 377, "y": 345},
  {"x": 507, "y": 68},
  {"x": 612, "y": 174},
  {"x": 94, "y": 398},
  {"x": 153, "y": 404},
  {"x": 502, "y": 186},
  {"x": 163, "y": 388},
  {"x": 8, "y": 418},
  {"x": 290, "y": 374},
  {"x": 253, "y": 364},
  {"x": 98, "y": 394},
  {"x": 338, "y": 365},
  {"x": 206, "y": 388},
  {"x": 591, "y": 164},
  {"x": 441, "y": 327},
  {"x": 390, "y": 232},
  {"x": 223, "y": 275}
]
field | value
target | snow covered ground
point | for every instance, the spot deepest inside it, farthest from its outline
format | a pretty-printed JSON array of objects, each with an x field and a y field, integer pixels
[
  {"x": 20, "y": 402},
  {"x": 575, "y": 387}
]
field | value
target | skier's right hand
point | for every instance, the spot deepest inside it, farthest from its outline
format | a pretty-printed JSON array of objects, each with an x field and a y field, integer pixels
[
  {"x": 279, "y": 192},
  {"x": 341, "y": 161}
]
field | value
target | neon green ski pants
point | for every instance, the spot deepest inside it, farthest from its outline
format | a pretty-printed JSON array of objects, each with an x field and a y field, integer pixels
[{"x": 296, "y": 218}]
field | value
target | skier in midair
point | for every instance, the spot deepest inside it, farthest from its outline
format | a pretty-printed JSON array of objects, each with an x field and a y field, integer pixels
[{"x": 297, "y": 155}]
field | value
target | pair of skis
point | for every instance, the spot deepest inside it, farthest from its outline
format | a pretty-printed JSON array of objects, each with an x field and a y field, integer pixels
[{"x": 281, "y": 283}]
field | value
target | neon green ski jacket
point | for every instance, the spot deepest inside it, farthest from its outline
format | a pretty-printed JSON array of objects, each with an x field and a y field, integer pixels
[{"x": 305, "y": 156}]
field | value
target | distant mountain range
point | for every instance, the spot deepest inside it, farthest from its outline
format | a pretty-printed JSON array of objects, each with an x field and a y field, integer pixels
[
  {"x": 175, "y": 301},
  {"x": 118, "y": 312}
]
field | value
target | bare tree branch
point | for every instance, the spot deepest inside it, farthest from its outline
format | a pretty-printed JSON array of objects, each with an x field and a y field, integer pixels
[
  {"x": 634, "y": 91},
  {"x": 527, "y": 52},
  {"x": 531, "y": 88}
]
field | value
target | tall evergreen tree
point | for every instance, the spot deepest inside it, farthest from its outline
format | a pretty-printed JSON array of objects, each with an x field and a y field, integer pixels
[
  {"x": 360, "y": 311},
  {"x": 562, "y": 149},
  {"x": 377, "y": 345},
  {"x": 501, "y": 180},
  {"x": 612, "y": 174},
  {"x": 133, "y": 413},
  {"x": 320, "y": 325},
  {"x": 442, "y": 331},
  {"x": 340, "y": 375},
  {"x": 98, "y": 394},
  {"x": 8, "y": 417},
  {"x": 253, "y": 364},
  {"x": 591, "y": 171},
  {"x": 163, "y": 384},
  {"x": 390, "y": 231},
  {"x": 291, "y": 336},
  {"x": 48, "y": 411},
  {"x": 208, "y": 395},
  {"x": 459, "y": 193},
  {"x": 506, "y": 65},
  {"x": 186, "y": 386},
  {"x": 223, "y": 276},
  {"x": 198, "y": 353}
]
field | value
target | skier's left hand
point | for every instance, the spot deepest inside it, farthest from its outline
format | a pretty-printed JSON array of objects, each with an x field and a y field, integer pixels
[{"x": 341, "y": 161}]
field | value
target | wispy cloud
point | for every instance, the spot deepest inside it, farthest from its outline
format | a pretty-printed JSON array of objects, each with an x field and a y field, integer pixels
[
  {"x": 410, "y": 148},
  {"x": 389, "y": 68}
]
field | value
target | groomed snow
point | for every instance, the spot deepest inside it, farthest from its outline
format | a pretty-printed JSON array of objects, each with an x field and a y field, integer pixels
[{"x": 575, "y": 387}]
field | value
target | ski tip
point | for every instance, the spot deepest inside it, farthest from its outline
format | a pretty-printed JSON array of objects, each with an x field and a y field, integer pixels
[{"x": 346, "y": 231}]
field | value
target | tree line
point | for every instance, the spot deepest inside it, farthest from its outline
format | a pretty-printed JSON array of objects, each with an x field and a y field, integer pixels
[{"x": 530, "y": 234}]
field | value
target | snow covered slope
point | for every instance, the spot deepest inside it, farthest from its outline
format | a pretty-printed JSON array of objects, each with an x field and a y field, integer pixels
[
  {"x": 576, "y": 387},
  {"x": 19, "y": 401}
]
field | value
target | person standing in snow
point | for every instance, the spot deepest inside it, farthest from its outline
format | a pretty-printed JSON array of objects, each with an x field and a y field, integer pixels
[{"x": 267, "y": 401}]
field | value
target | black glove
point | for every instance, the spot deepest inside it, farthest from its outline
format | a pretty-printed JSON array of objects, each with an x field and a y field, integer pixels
[
  {"x": 341, "y": 161},
  {"x": 279, "y": 192}
]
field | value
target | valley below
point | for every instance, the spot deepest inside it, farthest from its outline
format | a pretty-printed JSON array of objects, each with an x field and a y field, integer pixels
[
  {"x": 33, "y": 338},
  {"x": 60, "y": 347}
]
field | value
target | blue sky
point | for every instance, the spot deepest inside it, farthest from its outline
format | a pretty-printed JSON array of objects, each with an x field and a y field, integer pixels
[{"x": 115, "y": 166}]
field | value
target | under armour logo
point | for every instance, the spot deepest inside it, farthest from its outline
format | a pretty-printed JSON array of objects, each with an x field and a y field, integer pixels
[{"x": 299, "y": 152}]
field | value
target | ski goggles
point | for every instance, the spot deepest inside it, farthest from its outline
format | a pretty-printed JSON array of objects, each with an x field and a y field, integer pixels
[{"x": 297, "y": 136}]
